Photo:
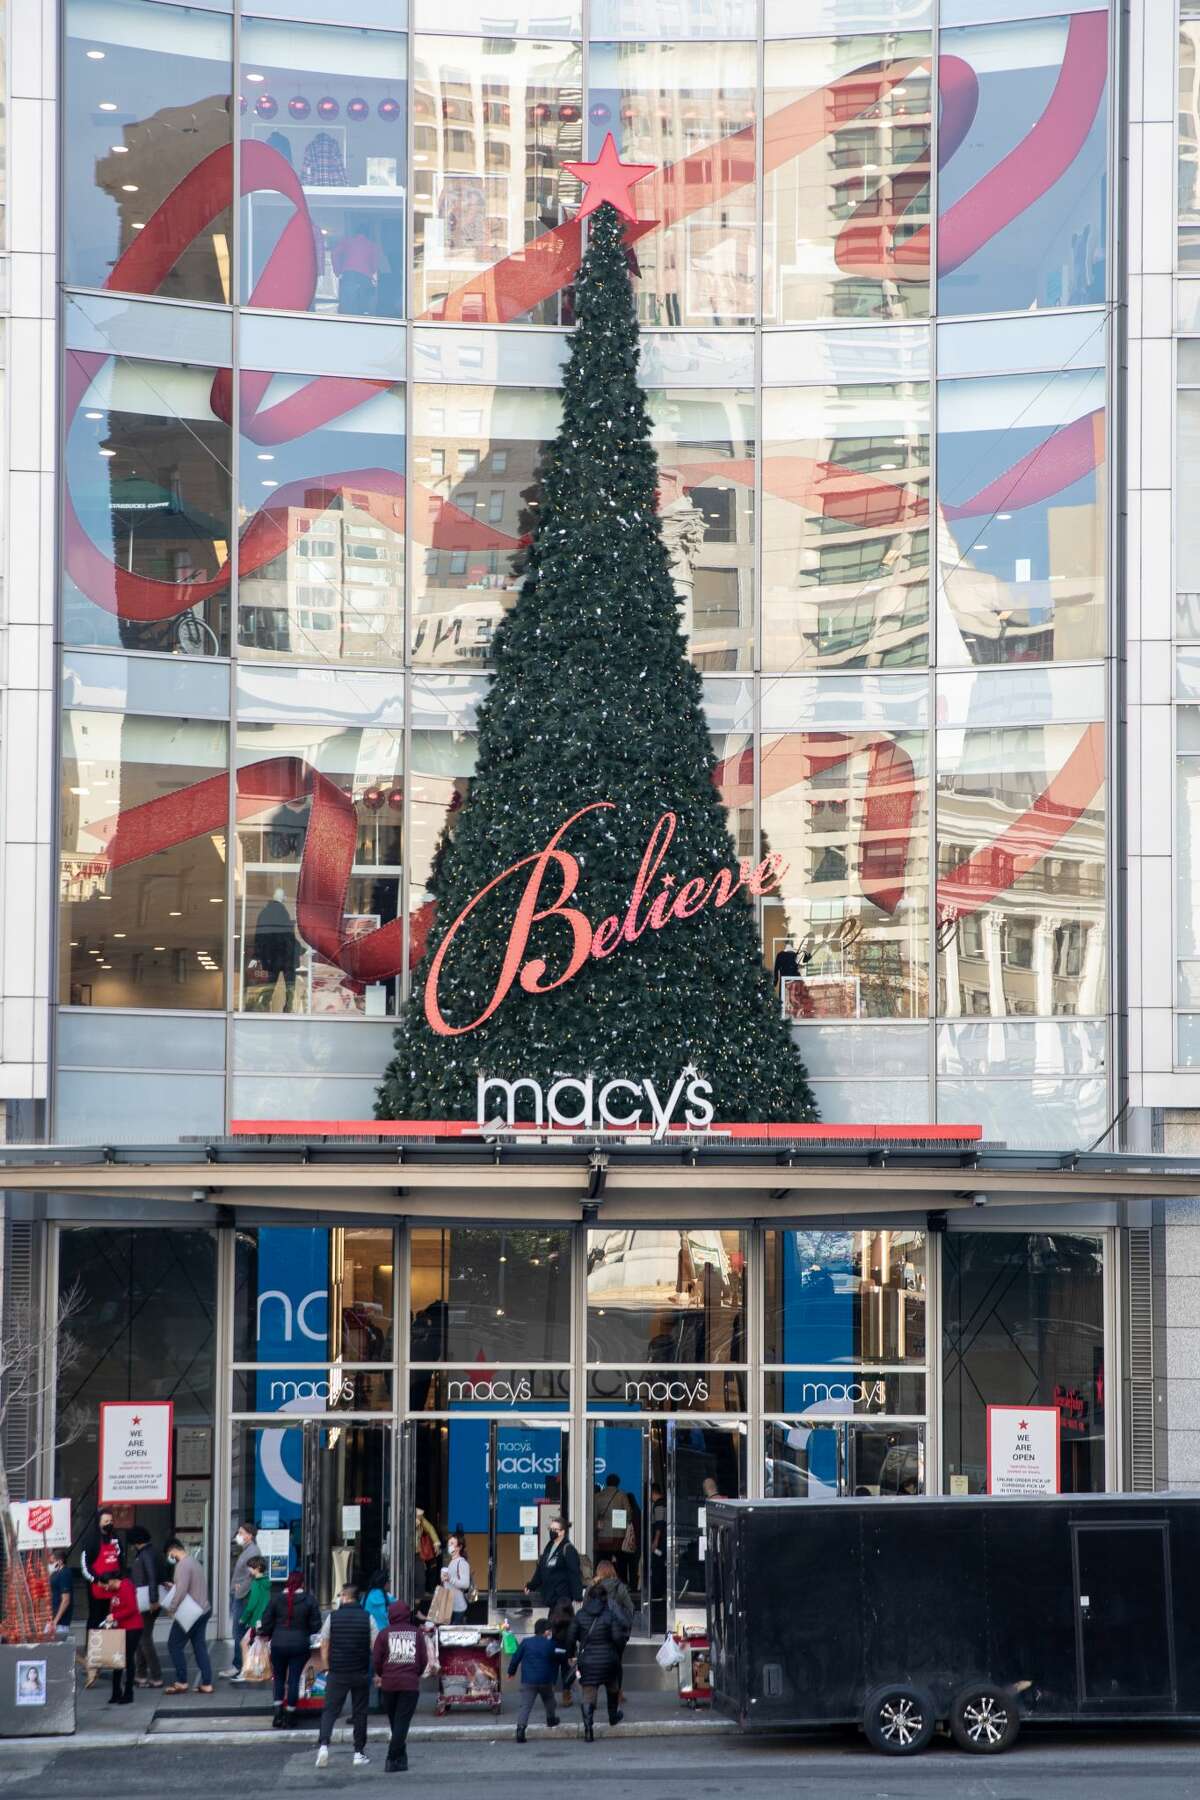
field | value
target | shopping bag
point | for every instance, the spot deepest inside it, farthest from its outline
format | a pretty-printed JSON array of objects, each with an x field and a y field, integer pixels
[
  {"x": 106, "y": 1648},
  {"x": 187, "y": 1612},
  {"x": 668, "y": 1655},
  {"x": 256, "y": 1659},
  {"x": 441, "y": 1607}
]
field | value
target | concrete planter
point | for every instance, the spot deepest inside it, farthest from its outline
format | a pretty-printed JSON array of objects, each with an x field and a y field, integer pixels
[{"x": 27, "y": 1670}]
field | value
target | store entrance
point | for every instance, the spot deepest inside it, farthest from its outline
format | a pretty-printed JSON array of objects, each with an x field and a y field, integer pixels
[
  {"x": 814, "y": 1458},
  {"x": 651, "y": 1483},
  {"x": 495, "y": 1483}
]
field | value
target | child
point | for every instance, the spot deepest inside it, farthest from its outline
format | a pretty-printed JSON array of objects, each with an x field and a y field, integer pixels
[
  {"x": 538, "y": 1659},
  {"x": 121, "y": 1595},
  {"x": 257, "y": 1601}
]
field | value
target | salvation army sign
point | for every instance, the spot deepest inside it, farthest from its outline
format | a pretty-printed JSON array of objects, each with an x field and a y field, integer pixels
[
  {"x": 673, "y": 901},
  {"x": 42, "y": 1524},
  {"x": 135, "y": 1453},
  {"x": 1022, "y": 1450}
]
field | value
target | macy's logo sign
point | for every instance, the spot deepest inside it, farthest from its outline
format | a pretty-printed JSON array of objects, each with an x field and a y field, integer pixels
[
  {"x": 667, "y": 1393},
  {"x": 579, "y": 1105}
]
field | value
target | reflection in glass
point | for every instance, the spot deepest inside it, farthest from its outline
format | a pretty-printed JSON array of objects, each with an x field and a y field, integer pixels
[
  {"x": 1187, "y": 517},
  {"x": 320, "y": 814},
  {"x": 670, "y": 1390},
  {"x": 147, "y": 93},
  {"x": 494, "y": 119},
  {"x": 810, "y": 1459},
  {"x": 1189, "y": 138},
  {"x": 1023, "y": 192},
  {"x": 443, "y": 762},
  {"x": 1022, "y": 517},
  {"x": 321, "y": 519},
  {"x": 1020, "y": 826},
  {"x": 846, "y": 526},
  {"x": 846, "y": 151},
  {"x": 323, "y": 165},
  {"x": 146, "y": 524},
  {"x": 845, "y": 1297},
  {"x": 704, "y": 442},
  {"x": 844, "y": 1393},
  {"x": 475, "y": 461},
  {"x": 847, "y": 810},
  {"x": 141, "y": 868},
  {"x": 1043, "y": 1114},
  {"x": 666, "y": 1296},
  {"x": 673, "y": 18},
  {"x": 490, "y": 1295},
  {"x": 281, "y": 1295},
  {"x": 784, "y": 19},
  {"x": 1023, "y": 1325},
  {"x": 1187, "y": 855},
  {"x": 688, "y": 109}
]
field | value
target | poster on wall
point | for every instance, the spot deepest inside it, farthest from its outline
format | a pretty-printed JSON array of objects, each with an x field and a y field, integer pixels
[
  {"x": 31, "y": 1684},
  {"x": 192, "y": 1500},
  {"x": 193, "y": 1450},
  {"x": 135, "y": 1452},
  {"x": 42, "y": 1524},
  {"x": 1022, "y": 1450}
]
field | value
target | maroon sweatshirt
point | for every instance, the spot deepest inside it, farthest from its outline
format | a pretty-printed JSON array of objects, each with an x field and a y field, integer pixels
[{"x": 399, "y": 1654}]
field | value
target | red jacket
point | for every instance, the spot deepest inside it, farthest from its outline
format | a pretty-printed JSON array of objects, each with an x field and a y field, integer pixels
[{"x": 123, "y": 1608}]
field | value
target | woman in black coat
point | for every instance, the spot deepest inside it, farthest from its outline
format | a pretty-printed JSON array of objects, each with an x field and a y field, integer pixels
[
  {"x": 599, "y": 1633},
  {"x": 557, "y": 1574},
  {"x": 291, "y": 1621}
]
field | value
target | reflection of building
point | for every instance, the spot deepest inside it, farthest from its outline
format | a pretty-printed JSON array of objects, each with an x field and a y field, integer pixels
[{"x": 336, "y": 592}]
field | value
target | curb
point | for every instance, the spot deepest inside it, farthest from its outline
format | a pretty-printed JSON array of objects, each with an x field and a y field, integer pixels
[{"x": 419, "y": 1734}]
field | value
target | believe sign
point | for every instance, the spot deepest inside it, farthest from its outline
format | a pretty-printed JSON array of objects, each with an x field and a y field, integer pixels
[
  {"x": 135, "y": 1453},
  {"x": 1022, "y": 1450}
]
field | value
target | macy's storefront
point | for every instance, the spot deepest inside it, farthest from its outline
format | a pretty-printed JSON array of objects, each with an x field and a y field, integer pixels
[{"x": 626, "y": 1334}]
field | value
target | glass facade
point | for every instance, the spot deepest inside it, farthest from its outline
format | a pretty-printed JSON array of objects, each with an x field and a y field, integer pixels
[{"x": 304, "y": 411}]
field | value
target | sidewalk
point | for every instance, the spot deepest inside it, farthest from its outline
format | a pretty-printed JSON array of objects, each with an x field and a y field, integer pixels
[{"x": 237, "y": 1714}]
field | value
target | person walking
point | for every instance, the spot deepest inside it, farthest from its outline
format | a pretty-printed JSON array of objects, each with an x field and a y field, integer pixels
[
  {"x": 189, "y": 1611},
  {"x": 599, "y": 1634},
  {"x": 257, "y": 1601},
  {"x": 62, "y": 1597},
  {"x": 427, "y": 1548},
  {"x": 457, "y": 1575},
  {"x": 537, "y": 1658},
  {"x": 399, "y": 1658},
  {"x": 616, "y": 1526},
  {"x": 144, "y": 1573},
  {"x": 123, "y": 1615},
  {"x": 292, "y": 1620},
  {"x": 348, "y": 1659},
  {"x": 102, "y": 1556},
  {"x": 239, "y": 1588},
  {"x": 557, "y": 1576},
  {"x": 378, "y": 1599},
  {"x": 562, "y": 1617}
]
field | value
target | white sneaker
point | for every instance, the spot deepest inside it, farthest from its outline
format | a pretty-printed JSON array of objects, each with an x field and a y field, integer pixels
[
  {"x": 322, "y": 1756},
  {"x": 230, "y": 1674},
  {"x": 360, "y": 1761}
]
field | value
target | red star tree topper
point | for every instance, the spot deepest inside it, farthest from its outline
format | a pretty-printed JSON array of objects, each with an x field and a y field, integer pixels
[{"x": 608, "y": 178}]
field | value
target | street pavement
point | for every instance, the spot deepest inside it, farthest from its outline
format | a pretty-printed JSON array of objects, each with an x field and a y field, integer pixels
[{"x": 1134, "y": 1764}]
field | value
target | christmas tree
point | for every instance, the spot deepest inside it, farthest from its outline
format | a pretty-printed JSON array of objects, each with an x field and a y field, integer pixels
[{"x": 594, "y": 700}]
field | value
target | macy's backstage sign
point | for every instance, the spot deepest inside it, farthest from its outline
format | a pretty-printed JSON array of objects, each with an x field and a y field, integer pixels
[{"x": 673, "y": 901}]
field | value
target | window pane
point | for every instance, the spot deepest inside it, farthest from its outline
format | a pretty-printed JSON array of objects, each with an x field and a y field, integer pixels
[
  {"x": 1021, "y": 502},
  {"x": 673, "y": 18},
  {"x": 145, "y": 684},
  {"x": 1022, "y": 197},
  {"x": 689, "y": 111},
  {"x": 147, "y": 92},
  {"x": 784, "y": 18},
  {"x": 320, "y": 814},
  {"x": 360, "y": 1279},
  {"x": 1187, "y": 863},
  {"x": 1023, "y": 1325},
  {"x": 332, "y": 165},
  {"x": 1189, "y": 142},
  {"x": 1187, "y": 521},
  {"x": 846, "y": 526},
  {"x": 321, "y": 551},
  {"x": 146, "y": 522},
  {"x": 498, "y": 1296},
  {"x": 666, "y": 1296},
  {"x": 846, "y": 166},
  {"x": 281, "y": 1295},
  {"x": 142, "y": 871},
  {"x": 845, "y": 1297},
  {"x": 704, "y": 442},
  {"x": 848, "y": 812},
  {"x": 494, "y": 119},
  {"x": 1020, "y": 828},
  {"x": 475, "y": 460}
]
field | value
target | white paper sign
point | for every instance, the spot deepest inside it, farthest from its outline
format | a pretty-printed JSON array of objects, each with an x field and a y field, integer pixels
[
  {"x": 529, "y": 1518},
  {"x": 192, "y": 1500},
  {"x": 193, "y": 1450},
  {"x": 351, "y": 1521},
  {"x": 135, "y": 1453},
  {"x": 42, "y": 1524},
  {"x": 620, "y": 1518},
  {"x": 276, "y": 1547},
  {"x": 529, "y": 1547},
  {"x": 1022, "y": 1449}
]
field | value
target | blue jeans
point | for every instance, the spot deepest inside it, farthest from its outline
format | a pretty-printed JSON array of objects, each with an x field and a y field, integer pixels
[
  {"x": 176, "y": 1640},
  {"x": 235, "y": 1629}
]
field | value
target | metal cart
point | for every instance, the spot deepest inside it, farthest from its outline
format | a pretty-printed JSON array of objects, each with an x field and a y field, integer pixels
[
  {"x": 468, "y": 1667},
  {"x": 695, "y": 1668}
]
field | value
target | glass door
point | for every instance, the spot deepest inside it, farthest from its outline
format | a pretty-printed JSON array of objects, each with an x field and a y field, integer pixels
[
  {"x": 703, "y": 1463},
  {"x": 820, "y": 1458}
]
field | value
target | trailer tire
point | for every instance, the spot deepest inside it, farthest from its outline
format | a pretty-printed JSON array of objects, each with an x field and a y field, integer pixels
[
  {"x": 899, "y": 1720},
  {"x": 984, "y": 1719}
]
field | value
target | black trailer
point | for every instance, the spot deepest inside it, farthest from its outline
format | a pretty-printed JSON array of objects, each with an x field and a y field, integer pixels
[{"x": 901, "y": 1614}]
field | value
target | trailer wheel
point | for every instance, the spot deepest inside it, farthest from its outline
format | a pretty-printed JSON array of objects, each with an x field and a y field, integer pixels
[
  {"x": 898, "y": 1720},
  {"x": 984, "y": 1719}
]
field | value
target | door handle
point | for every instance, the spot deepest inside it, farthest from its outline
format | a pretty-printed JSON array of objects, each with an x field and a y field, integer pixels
[{"x": 1084, "y": 1602}]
